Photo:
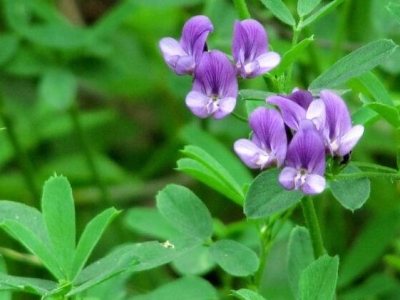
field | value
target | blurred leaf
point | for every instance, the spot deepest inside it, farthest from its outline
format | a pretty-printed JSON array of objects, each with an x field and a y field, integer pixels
[
  {"x": 234, "y": 258},
  {"x": 376, "y": 286},
  {"x": 291, "y": 55},
  {"x": 262, "y": 202},
  {"x": 58, "y": 89},
  {"x": 280, "y": 10},
  {"x": 166, "y": 3},
  {"x": 195, "y": 262},
  {"x": 354, "y": 64},
  {"x": 304, "y": 7},
  {"x": 254, "y": 95},
  {"x": 394, "y": 9},
  {"x": 388, "y": 113},
  {"x": 300, "y": 256},
  {"x": 149, "y": 222},
  {"x": 59, "y": 215},
  {"x": 185, "y": 211},
  {"x": 89, "y": 238},
  {"x": 9, "y": 46},
  {"x": 17, "y": 13},
  {"x": 189, "y": 287},
  {"x": 351, "y": 193},
  {"x": 365, "y": 250},
  {"x": 195, "y": 136},
  {"x": 319, "y": 13},
  {"x": 376, "y": 88},
  {"x": 132, "y": 258},
  {"x": 215, "y": 174},
  {"x": 318, "y": 280},
  {"x": 364, "y": 116},
  {"x": 4, "y": 295},
  {"x": 25, "y": 284},
  {"x": 245, "y": 294},
  {"x": 26, "y": 235}
]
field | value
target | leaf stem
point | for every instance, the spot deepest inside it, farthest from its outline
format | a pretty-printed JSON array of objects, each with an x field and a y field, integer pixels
[
  {"x": 242, "y": 9},
  {"x": 239, "y": 117},
  {"x": 23, "y": 159},
  {"x": 311, "y": 219},
  {"x": 74, "y": 113},
  {"x": 265, "y": 232}
]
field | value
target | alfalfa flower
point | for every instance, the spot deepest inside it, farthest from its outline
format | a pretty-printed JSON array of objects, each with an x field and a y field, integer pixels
[
  {"x": 305, "y": 161},
  {"x": 182, "y": 56},
  {"x": 268, "y": 143},
  {"x": 215, "y": 86},
  {"x": 250, "y": 49}
]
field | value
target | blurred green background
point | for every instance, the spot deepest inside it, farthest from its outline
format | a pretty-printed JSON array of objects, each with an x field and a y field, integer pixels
[{"x": 96, "y": 65}]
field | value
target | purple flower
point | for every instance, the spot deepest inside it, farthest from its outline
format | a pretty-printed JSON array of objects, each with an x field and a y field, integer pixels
[
  {"x": 305, "y": 161},
  {"x": 250, "y": 49},
  {"x": 340, "y": 135},
  {"x": 215, "y": 86},
  {"x": 182, "y": 56},
  {"x": 268, "y": 144},
  {"x": 299, "y": 106}
]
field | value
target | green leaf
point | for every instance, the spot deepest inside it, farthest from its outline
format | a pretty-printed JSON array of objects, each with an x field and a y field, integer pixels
[
  {"x": 90, "y": 236},
  {"x": 167, "y": 3},
  {"x": 185, "y": 211},
  {"x": 304, "y": 7},
  {"x": 364, "y": 115},
  {"x": 189, "y": 287},
  {"x": 394, "y": 9},
  {"x": 389, "y": 113},
  {"x": 245, "y": 294},
  {"x": 354, "y": 64},
  {"x": 4, "y": 295},
  {"x": 25, "y": 284},
  {"x": 195, "y": 262},
  {"x": 59, "y": 215},
  {"x": 318, "y": 280},
  {"x": 254, "y": 95},
  {"x": 204, "y": 174},
  {"x": 197, "y": 137},
  {"x": 366, "y": 251},
  {"x": 9, "y": 46},
  {"x": 376, "y": 88},
  {"x": 318, "y": 14},
  {"x": 58, "y": 89},
  {"x": 291, "y": 55},
  {"x": 234, "y": 258},
  {"x": 280, "y": 10},
  {"x": 266, "y": 196},
  {"x": 132, "y": 258},
  {"x": 31, "y": 241},
  {"x": 300, "y": 256},
  {"x": 149, "y": 222},
  {"x": 351, "y": 193}
]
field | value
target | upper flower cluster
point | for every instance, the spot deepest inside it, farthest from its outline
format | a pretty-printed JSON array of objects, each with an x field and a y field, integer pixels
[
  {"x": 313, "y": 128},
  {"x": 215, "y": 85}
]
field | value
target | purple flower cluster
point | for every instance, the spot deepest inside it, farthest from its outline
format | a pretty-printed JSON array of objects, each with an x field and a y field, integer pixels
[
  {"x": 215, "y": 85},
  {"x": 319, "y": 127}
]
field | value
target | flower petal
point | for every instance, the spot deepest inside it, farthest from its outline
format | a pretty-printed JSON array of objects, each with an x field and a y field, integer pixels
[
  {"x": 316, "y": 113},
  {"x": 269, "y": 132},
  {"x": 184, "y": 65},
  {"x": 171, "y": 51},
  {"x": 225, "y": 107},
  {"x": 198, "y": 104},
  {"x": 315, "y": 184},
  {"x": 194, "y": 35},
  {"x": 250, "y": 153},
  {"x": 292, "y": 113},
  {"x": 267, "y": 62},
  {"x": 287, "y": 177},
  {"x": 350, "y": 139},
  {"x": 301, "y": 97}
]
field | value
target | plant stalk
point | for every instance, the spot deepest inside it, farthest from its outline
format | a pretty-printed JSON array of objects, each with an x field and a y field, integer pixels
[{"x": 242, "y": 9}]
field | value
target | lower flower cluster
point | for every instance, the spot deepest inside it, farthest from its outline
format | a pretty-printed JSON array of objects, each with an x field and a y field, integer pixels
[{"x": 299, "y": 138}]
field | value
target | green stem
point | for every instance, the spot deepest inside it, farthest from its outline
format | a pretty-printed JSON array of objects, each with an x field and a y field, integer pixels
[
  {"x": 310, "y": 217},
  {"x": 24, "y": 161},
  {"x": 265, "y": 231},
  {"x": 295, "y": 39},
  {"x": 239, "y": 117},
  {"x": 242, "y": 9},
  {"x": 74, "y": 113}
]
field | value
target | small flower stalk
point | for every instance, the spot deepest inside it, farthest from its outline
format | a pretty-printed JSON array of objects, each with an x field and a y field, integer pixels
[
  {"x": 318, "y": 128},
  {"x": 215, "y": 87}
]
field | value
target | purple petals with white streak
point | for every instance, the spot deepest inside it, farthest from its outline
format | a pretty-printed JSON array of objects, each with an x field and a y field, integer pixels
[
  {"x": 182, "y": 56},
  {"x": 269, "y": 143},
  {"x": 305, "y": 161},
  {"x": 250, "y": 49},
  {"x": 215, "y": 86}
]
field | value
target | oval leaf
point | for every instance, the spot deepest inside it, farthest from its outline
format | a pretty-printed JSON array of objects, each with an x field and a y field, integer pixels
[
  {"x": 245, "y": 294},
  {"x": 304, "y": 7},
  {"x": 280, "y": 10},
  {"x": 185, "y": 211},
  {"x": 235, "y": 258},
  {"x": 266, "y": 197}
]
